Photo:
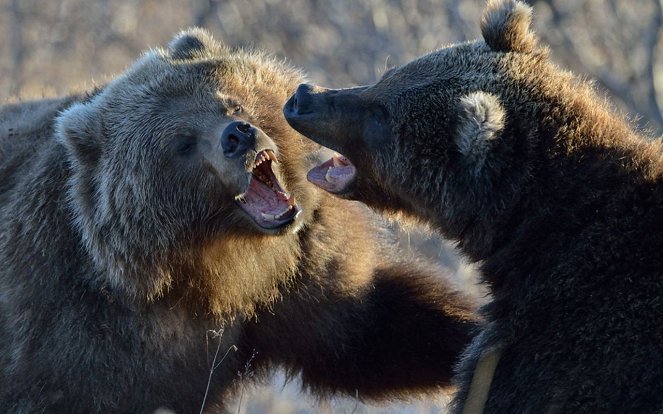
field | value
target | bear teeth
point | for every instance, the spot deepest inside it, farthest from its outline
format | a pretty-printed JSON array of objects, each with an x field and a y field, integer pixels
[
  {"x": 286, "y": 211},
  {"x": 272, "y": 217},
  {"x": 265, "y": 155},
  {"x": 268, "y": 217}
]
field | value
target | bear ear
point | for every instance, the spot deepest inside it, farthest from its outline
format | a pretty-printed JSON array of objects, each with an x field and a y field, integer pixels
[
  {"x": 191, "y": 44},
  {"x": 505, "y": 26},
  {"x": 78, "y": 128},
  {"x": 482, "y": 118}
]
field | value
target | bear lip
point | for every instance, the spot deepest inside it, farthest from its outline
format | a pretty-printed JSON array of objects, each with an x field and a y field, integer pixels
[
  {"x": 265, "y": 200},
  {"x": 335, "y": 175}
]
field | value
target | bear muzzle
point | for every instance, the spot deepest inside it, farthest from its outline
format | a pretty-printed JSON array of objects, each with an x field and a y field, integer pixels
[{"x": 265, "y": 199}]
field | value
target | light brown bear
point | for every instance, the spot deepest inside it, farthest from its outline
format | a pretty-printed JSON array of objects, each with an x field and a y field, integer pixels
[
  {"x": 140, "y": 221},
  {"x": 537, "y": 180}
]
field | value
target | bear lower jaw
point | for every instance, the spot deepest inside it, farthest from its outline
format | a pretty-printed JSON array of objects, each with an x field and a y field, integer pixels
[
  {"x": 265, "y": 200},
  {"x": 334, "y": 175}
]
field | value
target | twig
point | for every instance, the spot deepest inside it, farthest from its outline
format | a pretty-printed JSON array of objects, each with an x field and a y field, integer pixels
[
  {"x": 354, "y": 410},
  {"x": 214, "y": 365},
  {"x": 247, "y": 374}
]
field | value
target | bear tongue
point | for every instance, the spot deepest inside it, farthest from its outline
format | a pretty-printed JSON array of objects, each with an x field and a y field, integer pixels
[
  {"x": 268, "y": 206},
  {"x": 260, "y": 195},
  {"x": 334, "y": 175}
]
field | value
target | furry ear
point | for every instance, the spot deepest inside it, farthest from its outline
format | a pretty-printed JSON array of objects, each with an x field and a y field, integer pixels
[
  {"x": 78, "y": 128},
  {"x": 505, "y": 26},
  {"x": 191, "y": 44},
  {"x": 481, "y": 120}
]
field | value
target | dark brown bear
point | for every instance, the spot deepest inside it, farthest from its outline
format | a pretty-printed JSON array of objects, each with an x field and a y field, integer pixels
[
  {"x": 540, "y": 182},
  {"x": 140, "y": 220}
]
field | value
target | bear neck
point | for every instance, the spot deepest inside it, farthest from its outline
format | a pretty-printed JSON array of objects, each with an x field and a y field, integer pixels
[
  {"x": 575, "y": 168},
  {"x": 237, "y": 285}
]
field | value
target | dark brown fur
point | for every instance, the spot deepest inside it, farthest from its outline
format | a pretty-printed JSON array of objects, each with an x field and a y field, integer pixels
[
  {"x": 538, "y": 181},
  {"x": 121, "y": 262}
]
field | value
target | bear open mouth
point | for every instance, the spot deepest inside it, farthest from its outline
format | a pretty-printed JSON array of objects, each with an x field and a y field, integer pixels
[
  {"x": 265, "y": 200},
  {"x": 334, "y": 175}
]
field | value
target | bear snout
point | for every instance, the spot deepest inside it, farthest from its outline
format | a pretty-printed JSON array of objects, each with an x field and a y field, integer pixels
[
  {"x": 237, "y": 138},
  {"x": 302, "y": 100}
]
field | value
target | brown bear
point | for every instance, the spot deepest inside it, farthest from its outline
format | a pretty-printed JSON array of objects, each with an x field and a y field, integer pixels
[
  {"x": 541, "y": 183},
  {"x": 158, "y": 236}
]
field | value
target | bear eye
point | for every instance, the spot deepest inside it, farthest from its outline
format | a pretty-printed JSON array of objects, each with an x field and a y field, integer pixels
[
  {"x": 237, "y": 110},
  {"x": 186, "y": 145}
]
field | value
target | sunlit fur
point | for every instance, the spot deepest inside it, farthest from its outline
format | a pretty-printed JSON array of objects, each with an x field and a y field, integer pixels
[
  {"x": 120, "y": 265},
  {"x": 553, "y": 195}
]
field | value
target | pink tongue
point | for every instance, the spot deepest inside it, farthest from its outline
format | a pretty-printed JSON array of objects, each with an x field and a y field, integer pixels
[
  {"x": 334, "y": 175},
  {"x": 340, "y": 173},
  {"x": 262, "y": 199}
]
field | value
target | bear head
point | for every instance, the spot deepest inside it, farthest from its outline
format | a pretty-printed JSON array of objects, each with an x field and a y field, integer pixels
[
  {"x": 440, "y": 121},
  {"x": 180, "y": 162}
]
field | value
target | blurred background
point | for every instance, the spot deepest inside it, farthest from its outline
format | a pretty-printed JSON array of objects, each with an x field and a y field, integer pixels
[{"x": 51, "y": 48}]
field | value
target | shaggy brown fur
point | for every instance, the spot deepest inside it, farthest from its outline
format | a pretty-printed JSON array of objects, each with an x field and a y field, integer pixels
[
  {"x": 123, "y": 252},
  {"x": 538, "y": 181}
]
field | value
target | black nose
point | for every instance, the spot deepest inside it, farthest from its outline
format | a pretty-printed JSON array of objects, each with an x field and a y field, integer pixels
[
  {"x": 236, "y": 138},
  {"x": 302, "y": 101}
]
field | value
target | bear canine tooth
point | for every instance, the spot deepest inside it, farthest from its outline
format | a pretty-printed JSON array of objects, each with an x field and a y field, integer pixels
[
  {"x": 284, "y": 196},
  {"x": 284, "y": 212},
  {"x": 328, "y": 176}
]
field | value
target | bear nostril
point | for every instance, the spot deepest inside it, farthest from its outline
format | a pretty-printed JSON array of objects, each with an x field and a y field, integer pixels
[
  {"x": 303, "y": 101},
  {"x": 231, "y": 144},
  {"x": 244, "y": 128},
  {"x": 237, "y": 138}
]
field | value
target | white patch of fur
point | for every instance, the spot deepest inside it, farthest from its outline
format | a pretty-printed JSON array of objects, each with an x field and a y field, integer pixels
[
  {"x": 77, "y": 129},
  {"x": 482, "y": 118}
]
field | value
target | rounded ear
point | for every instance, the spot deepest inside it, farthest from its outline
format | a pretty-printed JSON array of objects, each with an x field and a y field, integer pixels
[
  {"x": 191, "y": 44},
  {"x": 79, "y": 129},
  {"x": 505, "y": 26},
  {"x": 481, "y": 120}
]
